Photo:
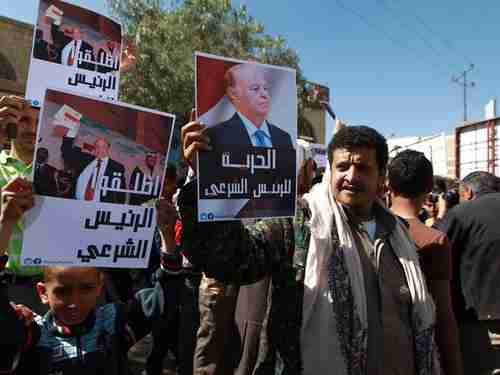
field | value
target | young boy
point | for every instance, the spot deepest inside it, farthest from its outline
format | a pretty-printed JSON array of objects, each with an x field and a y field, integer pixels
[{"x": 75, "y": 336}]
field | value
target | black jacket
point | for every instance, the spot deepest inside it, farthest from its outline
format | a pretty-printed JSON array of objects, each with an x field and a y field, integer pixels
[
  {"x": 474, "y": 230},
  {"x": 97, "y": 346}
]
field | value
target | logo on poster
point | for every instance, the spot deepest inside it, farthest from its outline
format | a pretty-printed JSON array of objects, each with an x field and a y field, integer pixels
[
  {"x": 207, "y": 216},
  {"x": 30, "y": 261}
]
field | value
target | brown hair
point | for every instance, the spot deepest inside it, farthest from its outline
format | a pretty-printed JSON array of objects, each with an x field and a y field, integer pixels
[{"x": 50, "y": 271}]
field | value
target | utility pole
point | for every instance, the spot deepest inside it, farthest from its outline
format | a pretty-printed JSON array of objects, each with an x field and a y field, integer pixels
[{"x": 461, "y": 79}]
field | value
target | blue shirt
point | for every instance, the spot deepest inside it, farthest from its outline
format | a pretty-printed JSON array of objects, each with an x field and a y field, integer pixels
[{"x": 251, "y": 129}]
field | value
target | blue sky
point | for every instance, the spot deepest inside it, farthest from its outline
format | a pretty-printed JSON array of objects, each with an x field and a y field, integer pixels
[{"x": 395, "y": 74}]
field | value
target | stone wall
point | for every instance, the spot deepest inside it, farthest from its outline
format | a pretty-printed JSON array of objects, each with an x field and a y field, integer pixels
[{"x": 16, "y": 40}]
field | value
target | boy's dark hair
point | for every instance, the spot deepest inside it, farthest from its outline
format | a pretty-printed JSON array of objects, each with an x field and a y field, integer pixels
[
  {"x": 351, "y": 137},
  {"x": 410, "y": 174},
  {"x": 49, "y": 271}
]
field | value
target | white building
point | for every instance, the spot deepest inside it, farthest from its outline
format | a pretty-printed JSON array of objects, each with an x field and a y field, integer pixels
[{"x": 437, "y": 148}]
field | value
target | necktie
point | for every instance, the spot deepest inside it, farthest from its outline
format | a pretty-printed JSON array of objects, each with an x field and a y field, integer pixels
[
  {"x": 90, "y": 189},
  {"x": 260, "y": 138},
  {"x": 72, "y": 54}
]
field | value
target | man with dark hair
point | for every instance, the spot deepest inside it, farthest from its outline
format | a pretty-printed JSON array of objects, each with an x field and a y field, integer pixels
[
  {"x": 410, "y": 180},
  {"x": 17, "y": 115},
  {"x": 473, "y": 229},
  {"x": 45, "y": 174},
  {"x": 346, "y": 295}
]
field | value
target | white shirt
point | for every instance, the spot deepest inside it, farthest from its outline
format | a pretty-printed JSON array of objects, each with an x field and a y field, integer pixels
[
  {"x": 70, "y": 50},
  {"x": 87, "y": 173},
  {"x": 251, "y": 129}
]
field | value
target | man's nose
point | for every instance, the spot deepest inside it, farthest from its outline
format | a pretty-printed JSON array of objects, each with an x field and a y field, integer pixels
[
  {"x": 264, "y": 92},
  {"x": 74, "y": 299},
  {"x": 352, "y": 174}
]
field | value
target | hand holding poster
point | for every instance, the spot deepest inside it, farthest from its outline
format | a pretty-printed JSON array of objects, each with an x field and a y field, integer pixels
[
  {"x": 251, "y": 113},
  {"x": 74, "y": 49},
  {"x": 97, "y": 179}
]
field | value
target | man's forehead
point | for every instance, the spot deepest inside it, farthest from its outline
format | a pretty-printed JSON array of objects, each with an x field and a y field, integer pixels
[
  {"x": 73, "y": 276},
  {"x": 250, "y": 73},
  {"x": 357, "y": 154},
  {"x": 101, "y": 142}
]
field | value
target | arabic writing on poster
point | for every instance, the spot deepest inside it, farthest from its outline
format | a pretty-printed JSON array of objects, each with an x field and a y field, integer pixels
[
  {"x": 128, "y": 219},
  {"x": 130, "y": 250},
  {"x": 253, "y": 162},
  {"x": 98, "y": 81},
  {"x": 149, "y": 186}
]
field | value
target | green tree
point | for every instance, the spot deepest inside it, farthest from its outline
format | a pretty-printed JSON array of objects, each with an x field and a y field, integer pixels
[{"x": 166, "y": 36}]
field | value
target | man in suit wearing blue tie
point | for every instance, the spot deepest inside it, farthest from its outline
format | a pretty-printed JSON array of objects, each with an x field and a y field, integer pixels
[{"x": 248, "y": 91}]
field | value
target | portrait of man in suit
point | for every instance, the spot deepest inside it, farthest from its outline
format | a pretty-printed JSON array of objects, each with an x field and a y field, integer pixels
[
  {"x": 69, "y": 42},
  {"x": 248, "y": 90},
  {"x": 91, "y": 169}
]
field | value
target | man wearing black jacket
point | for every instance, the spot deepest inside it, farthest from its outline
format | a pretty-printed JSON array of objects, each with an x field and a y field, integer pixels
[{"x": 473, "y": 229}]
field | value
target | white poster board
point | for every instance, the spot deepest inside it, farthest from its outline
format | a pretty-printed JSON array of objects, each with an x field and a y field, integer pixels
[
  {"x": 74, "y": 49},
  {"x": 98, "y": 171}
]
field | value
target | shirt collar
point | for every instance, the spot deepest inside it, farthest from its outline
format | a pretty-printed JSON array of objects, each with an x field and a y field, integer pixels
[
  {"x": 103, "y": 160},
  {"x": 251, "y": 128}
]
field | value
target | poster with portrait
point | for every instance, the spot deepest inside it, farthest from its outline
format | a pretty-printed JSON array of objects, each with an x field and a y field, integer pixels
[
  {"x": 74, "y": 49},
  {"x": 319, "y": 155},
  {"x": 250, "y": 110},
  {"x": 98, "y": 170}
]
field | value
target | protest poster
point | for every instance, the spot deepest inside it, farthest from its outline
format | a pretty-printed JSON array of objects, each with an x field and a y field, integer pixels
[
  {"x": 98, "y": 169},
  {"x": 251, "y": 113},
  {"x": 74, "y": 49},
  {"x": 319, "y": 155}
]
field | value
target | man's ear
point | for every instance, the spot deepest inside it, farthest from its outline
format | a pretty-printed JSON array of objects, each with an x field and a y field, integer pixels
[
  {"x": 42, "y": 292},
  {"x": 470, "y": 194},
  {"x": 232, "y": 94}
]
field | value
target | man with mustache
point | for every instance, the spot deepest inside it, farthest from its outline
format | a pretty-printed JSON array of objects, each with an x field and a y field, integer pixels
[
  {"x": 361, "y": 306},
  {"x": 18, "y": 122}
]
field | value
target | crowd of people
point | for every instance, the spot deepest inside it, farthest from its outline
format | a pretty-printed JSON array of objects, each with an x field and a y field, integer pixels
[{"x": 385, "y": 269}]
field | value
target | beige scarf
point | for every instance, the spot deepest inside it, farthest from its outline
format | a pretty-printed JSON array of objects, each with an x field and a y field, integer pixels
[{"x": 332, "y": 251}]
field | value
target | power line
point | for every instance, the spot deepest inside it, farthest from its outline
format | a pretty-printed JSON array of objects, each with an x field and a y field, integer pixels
[
  {"x": 461, "y": 79},
  {"x": 388, "y": 36},
  {"x": 445, "y": 41},
  {"x": 411, "y": 29}
]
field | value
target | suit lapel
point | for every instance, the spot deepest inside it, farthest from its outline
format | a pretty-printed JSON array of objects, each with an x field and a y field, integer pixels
[{"x": 239, "y": 130}]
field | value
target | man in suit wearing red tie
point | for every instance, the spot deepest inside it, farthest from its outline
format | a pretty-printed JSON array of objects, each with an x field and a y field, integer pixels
[
  {"x": 95, "y": 171},
  {"x": 69, "y": 42}
]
